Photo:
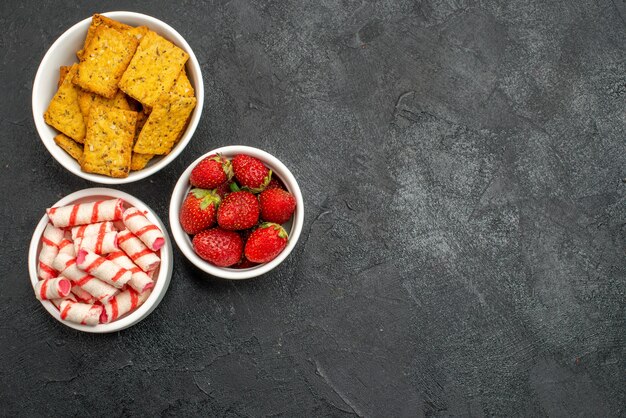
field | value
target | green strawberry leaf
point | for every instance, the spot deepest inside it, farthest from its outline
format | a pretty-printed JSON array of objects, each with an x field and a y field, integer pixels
[
  {"x": 234, "y": 187},
  {"x": 200, "y": 193},
  {"x": 207, "y": 197}
]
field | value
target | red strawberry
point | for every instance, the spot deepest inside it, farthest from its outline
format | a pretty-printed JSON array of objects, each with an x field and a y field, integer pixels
[
  {"x": 275, "y": 184},
  {"x": 239, "y": 210},
  {"x": 251, "y": 173},
  {"x": 218, "y": 246},
  {"x": 277, "y": 205},
  {"x": 223, "y": 189},
  {"x": 199, "y": 210},
  {"x": 265, "y": 243},
  {"x": 211, "y": 172},
  {"x": 244, "y": 264}
]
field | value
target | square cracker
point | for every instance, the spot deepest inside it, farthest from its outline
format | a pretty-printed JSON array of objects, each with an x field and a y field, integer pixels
[
  {"x": 139, "y": 161},
  {"x": 63, "y": 112},
  {"x": 165, "y": 124},
  {"x": 70, "y": 146},
  {"x": 87, "y": 99},
  {"x": 183, "y": 86},
  {"x": 137, "y": 32},
  {"x": 100, "y": 20},
  {"x": 109, "y": 141},
  {"x": 63, "y": 70},
  {"x": 104, "y": 61},
  {"x": 153, "y": 69}
]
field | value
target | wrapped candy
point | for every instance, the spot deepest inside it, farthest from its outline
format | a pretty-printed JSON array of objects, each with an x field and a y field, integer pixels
[
  {"x": 57, "y": 288},
  {"x": 81, "y": 313},
  {"x": 99, "y": 243},
  {"x": 82, "y": 295},
  {"x": 97, "y": 288},
  {"x": 50, "y": 241},
  {"x": 92, "y": 229},
  {"x": 137, "y": 223},
  {"x": 86, "y": 213},
  {"x": 66, "y": 247},
  {"x": 102, "y": 268},
  {"x": 140, "y": 281},
  {"x": 123, "y": 303},
  {"x": 141, "y": 255},
  {"x": 57, "y": 302}
]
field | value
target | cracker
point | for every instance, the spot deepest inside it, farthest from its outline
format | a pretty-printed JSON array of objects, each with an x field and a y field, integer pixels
[
  {"x": 109, "y": 141},
  {"x": 165, "y": 124},
  {"x": 142, "y": 117},
  {"x": 63, "y": 112},
  {"x": 87, "y": 99},
  {"x": 70, "y": 146},
  {"x": 153, "y": 69},
  {"x": 63, "y": 70},
  {"x": 139, "y": 161},
  {"x": 183, "y": 86},
  {"x": 104, "y": 61},
  {"x": 99, "y": 20},
  {"x": 138, "y": 32}
]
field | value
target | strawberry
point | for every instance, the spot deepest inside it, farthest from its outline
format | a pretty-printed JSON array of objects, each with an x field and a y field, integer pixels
[
  {"x": 265, "y": 243},
  {"x": 251, "y": 173},
  {"x": 199, "y": 210},
  {"x": 223, "y": 189},
  {"x": 277, "y": 205},
  {"x": 239, "y": 210},
  {"x": 244, "y": 264},
  {"x": 275, "y": 184},
  {"x": 211, "y": 172},
  {"x": 218, "y": 246}
]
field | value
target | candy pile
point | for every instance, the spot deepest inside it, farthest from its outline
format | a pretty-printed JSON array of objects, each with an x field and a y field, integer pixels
[
  {"x": 247, "y": 204},
  {"x": 97, "y": 260}
]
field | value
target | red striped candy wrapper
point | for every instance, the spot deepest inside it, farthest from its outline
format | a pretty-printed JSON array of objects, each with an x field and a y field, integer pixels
[
  {"x": 123, "y": 303},
  {"x": 92, "y": 229},
  {"x": 141, "y": 255},
  {"x": 81, "y": 313},
  {"x": 102, "y": 268},
  {"x": 57, "y": 288},
  {"x": 86, "y": 213},
  {"x": 99, "y": 243},
  {"x": 137, "y": 223},
  {"x": 140, "y": 281},
  {"x": 97, "y": 288},
  {"x": 50, "y": 241}
]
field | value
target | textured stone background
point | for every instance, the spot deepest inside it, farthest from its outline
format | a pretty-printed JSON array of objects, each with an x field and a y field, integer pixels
[{"x": 463, "y": 252}]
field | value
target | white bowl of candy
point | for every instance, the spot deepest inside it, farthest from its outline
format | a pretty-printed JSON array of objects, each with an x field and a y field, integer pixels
[{"x": 100, "y": 260}]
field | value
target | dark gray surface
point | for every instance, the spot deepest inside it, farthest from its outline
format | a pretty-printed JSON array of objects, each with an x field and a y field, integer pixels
[{"x": 463, "y": 249}]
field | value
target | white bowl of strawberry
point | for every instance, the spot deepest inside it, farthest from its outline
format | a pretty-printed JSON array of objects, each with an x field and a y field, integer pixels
[{"x": 236, "y": 212}]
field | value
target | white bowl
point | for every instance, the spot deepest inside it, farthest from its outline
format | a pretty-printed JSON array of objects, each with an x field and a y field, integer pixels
[
  {"x": 63, "y": 52},
  {"x": 293, "y": 228},
  {"x": 162, "y": 275}
]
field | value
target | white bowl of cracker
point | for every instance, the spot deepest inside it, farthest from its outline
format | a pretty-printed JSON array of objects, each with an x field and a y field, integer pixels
[{"x": 117, "y": 97}]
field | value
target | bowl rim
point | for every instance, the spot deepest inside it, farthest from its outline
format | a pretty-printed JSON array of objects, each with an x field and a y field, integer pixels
[
  {"x": 162, "y": 281},
  {"x": 182, "y": 239},
  {"x": 59, "y": 154}
]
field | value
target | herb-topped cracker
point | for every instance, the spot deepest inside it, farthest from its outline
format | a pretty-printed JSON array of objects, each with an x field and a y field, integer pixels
[
  {"x": 87, "y": 99},
  {"x": 165, "y": 124},
  {"x": 183, "y": 86},
  {"x": 139, "y": 161},
  {"x": 104, "y": 61},
  {"x": 100, "y": 20},
  {"x": 153, "y": 69},
  {"x": 63, "y": 70},
  {"x": 70, "y": 146},
  {"x": 63, "y": 111},
  {"x": 109, "y": 141}
]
